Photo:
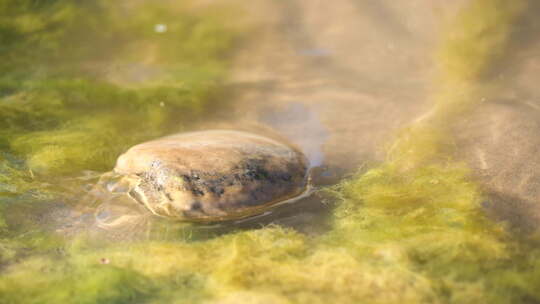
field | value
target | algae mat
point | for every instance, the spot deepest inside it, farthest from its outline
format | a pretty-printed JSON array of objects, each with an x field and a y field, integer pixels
[{"x": 410, "y": 229}]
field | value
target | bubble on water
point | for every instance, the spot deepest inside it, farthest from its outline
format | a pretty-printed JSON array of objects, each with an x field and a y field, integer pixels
[{"x": 160, "y": 28}]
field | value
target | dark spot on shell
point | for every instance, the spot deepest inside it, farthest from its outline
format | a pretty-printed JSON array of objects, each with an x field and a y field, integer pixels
[
  {"x": 195, "y": 206},
  {"x": 196, "y": 191},
  {"x": 195, "y": 175},
  {"x": 155, "y": 164},
  {"x": 217, "y": 190},
  {"x": 255, "y": 170},
  {"x": 286, "y": 177}
]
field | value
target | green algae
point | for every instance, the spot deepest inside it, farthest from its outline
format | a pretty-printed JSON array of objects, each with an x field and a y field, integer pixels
[
  {"x": 80, "y": 82},
  {"x": 430, "y": 220},
  {"x": 64, "y": 109},
  {"x": 409, "y": 231},
  {"x": 287, "y": 267},
  {"x": 91, "y": 132},
  {"x": 39, "y": 282},
  {"x": 425, "y": 204},
  {"x": 471, "y": 52}
]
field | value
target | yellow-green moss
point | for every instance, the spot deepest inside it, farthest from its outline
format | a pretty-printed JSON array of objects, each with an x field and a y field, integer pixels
[
  {"x": 473, "y": 47},
  {"x": 478, "y": 38},
  {"x": 99, "y": 122},
  {"x": 422, "y": 204},
  {"x": 41, "y": 280},
  {"x": 71, "y": 97},
  {"x": 70, "y": 100},
  {"x": 409, "y": 231}
]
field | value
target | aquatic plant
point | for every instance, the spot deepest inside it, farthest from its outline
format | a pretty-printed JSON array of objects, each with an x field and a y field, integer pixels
[
  {"x": 411, "y": 230},
  {"x": 64, "y": 109},
  {"x": 471, "y": 53},
  {"x": 423, "y": 205},
  {"x": 81, "y": 82}
]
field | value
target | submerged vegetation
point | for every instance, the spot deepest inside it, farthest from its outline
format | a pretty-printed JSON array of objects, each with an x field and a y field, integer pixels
[
  {"x": 409, "y": 231},
  {"x": 72, "y": 75}
]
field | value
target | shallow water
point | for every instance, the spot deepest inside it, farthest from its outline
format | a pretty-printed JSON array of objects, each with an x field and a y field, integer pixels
[{"x": 341, "y": 80}]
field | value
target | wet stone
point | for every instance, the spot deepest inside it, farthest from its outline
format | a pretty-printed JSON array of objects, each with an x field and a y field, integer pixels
[{"x": 212, "y": 175}]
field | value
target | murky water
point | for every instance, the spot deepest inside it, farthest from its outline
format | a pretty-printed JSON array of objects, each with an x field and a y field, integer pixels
[{"x": 341, "y": 80}]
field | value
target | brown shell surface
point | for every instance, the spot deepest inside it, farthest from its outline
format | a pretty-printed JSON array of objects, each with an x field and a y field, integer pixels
[{"x": 213, "y": 175}]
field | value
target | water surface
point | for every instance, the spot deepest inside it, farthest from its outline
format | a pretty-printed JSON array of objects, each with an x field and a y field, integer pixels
[{"x": 346, "y": 81}]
